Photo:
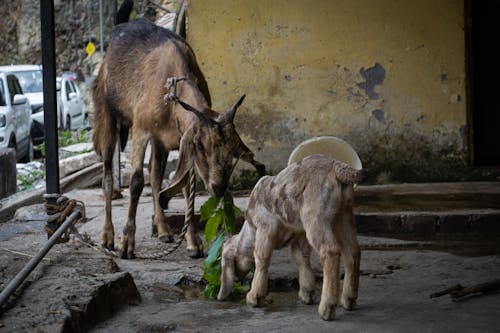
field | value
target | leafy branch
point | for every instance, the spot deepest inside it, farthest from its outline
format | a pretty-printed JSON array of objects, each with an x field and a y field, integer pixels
[{"x": 220, "y": 215}]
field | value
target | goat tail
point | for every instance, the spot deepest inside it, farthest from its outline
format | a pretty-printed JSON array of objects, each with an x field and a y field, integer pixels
[
  {"x": 348, "y": 175},
  {"x": 105, "y": 131},
  {"x": 124, "y": 12}
]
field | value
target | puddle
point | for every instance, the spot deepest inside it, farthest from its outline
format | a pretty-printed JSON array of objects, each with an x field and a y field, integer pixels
[{"x": 167, "y": 293}]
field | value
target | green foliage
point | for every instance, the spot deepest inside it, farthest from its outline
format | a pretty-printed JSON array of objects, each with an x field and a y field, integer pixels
[
  {"x": 67, "y": 138},
  {"x": 27, "y": 182},
  {"x": 220, "y": 215}
]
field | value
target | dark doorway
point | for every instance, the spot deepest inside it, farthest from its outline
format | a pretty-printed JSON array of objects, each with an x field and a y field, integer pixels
[{"x": 483, "y": 22}]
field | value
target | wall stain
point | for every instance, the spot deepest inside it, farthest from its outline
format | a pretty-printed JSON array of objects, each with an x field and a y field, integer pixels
[
  {"x": 374, "y": 75},
  {"x": 379, "y": 115}
]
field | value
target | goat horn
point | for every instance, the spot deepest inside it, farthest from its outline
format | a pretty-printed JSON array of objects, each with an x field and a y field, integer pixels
[
  {"x": 199, "y": 114},
  {"x": 229, "y": 115}
]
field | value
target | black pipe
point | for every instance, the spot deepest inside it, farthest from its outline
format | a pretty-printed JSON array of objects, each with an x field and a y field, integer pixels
[{"x": 49, "y": 97}]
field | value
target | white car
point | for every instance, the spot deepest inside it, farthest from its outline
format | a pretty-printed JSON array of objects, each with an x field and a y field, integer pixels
[
  {"x": 15, "y": 118},
  {"x": 71, "y": 110}
]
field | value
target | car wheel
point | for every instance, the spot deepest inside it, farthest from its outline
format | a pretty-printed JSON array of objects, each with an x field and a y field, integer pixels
[
  {"x": 68, "y": 123},
  {"x": 30, "y": 154},
  {"x": 13, "y": 145},
  {"x": 60, "y": 121}
]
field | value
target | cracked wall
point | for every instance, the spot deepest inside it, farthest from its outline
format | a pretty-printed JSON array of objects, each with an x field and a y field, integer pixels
[{"x": 387, "y": 76}]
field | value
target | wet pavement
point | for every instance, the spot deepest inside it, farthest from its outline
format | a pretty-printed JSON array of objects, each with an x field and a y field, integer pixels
[{"x": 405, "y": 258}]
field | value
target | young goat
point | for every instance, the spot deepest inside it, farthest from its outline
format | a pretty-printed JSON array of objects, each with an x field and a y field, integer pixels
[
  {"x": 129, "y": 92},
  {"x": 308, "y": 204}
]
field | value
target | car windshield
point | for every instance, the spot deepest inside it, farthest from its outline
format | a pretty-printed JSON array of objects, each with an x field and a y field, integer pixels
[{"x": 30, "y": 81}]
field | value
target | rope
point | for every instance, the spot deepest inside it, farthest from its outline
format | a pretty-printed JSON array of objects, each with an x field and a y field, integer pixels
[
  {"x": 188, "y": 220},
  {"x": 58, "y": 212},
  {"x": 85, "y": 239}
]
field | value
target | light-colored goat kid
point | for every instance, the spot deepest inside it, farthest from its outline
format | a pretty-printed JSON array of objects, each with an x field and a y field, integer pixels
[
  {"x": 129, "y": 91},
  {"x": 308, "y": 204}
]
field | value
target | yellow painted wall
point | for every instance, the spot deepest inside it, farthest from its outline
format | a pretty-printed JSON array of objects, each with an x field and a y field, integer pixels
[{"x": 388, "y": 76}]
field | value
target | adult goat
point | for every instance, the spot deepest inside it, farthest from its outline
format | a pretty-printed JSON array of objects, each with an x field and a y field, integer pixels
[{"x": 129, "y": 92}]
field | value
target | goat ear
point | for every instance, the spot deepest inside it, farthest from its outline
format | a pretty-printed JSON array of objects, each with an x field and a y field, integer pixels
[
  {"x": 184, "y": 164},
  {"x": 229, "y": 115},
  {"x": 199, "y": 114},
  {"x": 227, "y": 276}
]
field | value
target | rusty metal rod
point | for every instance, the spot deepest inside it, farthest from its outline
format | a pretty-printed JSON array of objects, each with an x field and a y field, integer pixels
[{"x": 23, "y": 274}]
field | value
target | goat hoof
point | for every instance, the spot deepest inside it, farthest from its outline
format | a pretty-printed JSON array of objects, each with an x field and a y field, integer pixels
[
  {"x": 126, "y": 255},
  {"x": 327, "y": 311},
  {"x": 349, "y": 303},
  {"x": 109, "y": 247},
  {"x": 254, "y": 300},
  {"x": 166, "y": 239},
  {"x": 306, "y": 297},
  {"x": 195, "y": 253}
]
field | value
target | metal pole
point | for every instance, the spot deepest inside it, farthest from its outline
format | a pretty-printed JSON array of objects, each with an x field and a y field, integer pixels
[
  {"x": 100, "y": 32},
  {"x": 49, "y": 96},
  {"x": 23, "y": 274}
]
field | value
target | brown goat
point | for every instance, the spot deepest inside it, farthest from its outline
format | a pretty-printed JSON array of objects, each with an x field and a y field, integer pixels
[
  {"x": 308, "y": 204},
  {"x": 129, "y": 93}
]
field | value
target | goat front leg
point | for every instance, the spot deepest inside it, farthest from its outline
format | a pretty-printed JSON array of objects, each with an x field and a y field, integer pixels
[
  {"x": 139, "y": 142},
  {"x": 194, "y": 243},
  {"x": 301, "y": 253},
  {"x": 157, "y": 170},
  {"x": 265, "y": 239}
]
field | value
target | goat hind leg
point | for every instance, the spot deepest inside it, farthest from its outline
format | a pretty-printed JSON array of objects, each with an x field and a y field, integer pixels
[
  {"x": 329, "y": 255},
  {"x": 330, "y": 260},
  {"x": 301, "y": 252},
  {"x": 108, "y": 232},
  {"x": 158, "y": 163},
  {"x": 351, "y": 256}
]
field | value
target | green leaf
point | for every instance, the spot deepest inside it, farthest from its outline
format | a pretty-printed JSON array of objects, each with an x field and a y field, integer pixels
[
  {"x": 208, "y": 208},
  {"x": 240, "y": 288},
  {"x": 220, "y": 216},
  {"x": 211, "y": 227},
  {"x": 211, "y": 291},
  {"x": 215, "y": 249},
  {"x": 212, "y": 276}
]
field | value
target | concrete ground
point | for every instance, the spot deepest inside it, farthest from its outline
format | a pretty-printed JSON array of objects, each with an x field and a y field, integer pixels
[{"x": 421, "y": 239}]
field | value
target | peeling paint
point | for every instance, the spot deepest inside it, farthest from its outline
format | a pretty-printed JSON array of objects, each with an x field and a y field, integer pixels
[
  {"x": 379, "y": 115},
  {"x": 374, "y": 76}
]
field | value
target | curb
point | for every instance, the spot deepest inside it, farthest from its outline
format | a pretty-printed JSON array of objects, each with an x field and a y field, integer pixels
[{"x": 481, "y": 221}]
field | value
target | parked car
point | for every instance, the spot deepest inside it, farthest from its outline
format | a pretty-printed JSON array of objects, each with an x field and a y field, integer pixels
[
  {"x": 15, "y": 118},
  {"x": 71, "y": 110}
]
